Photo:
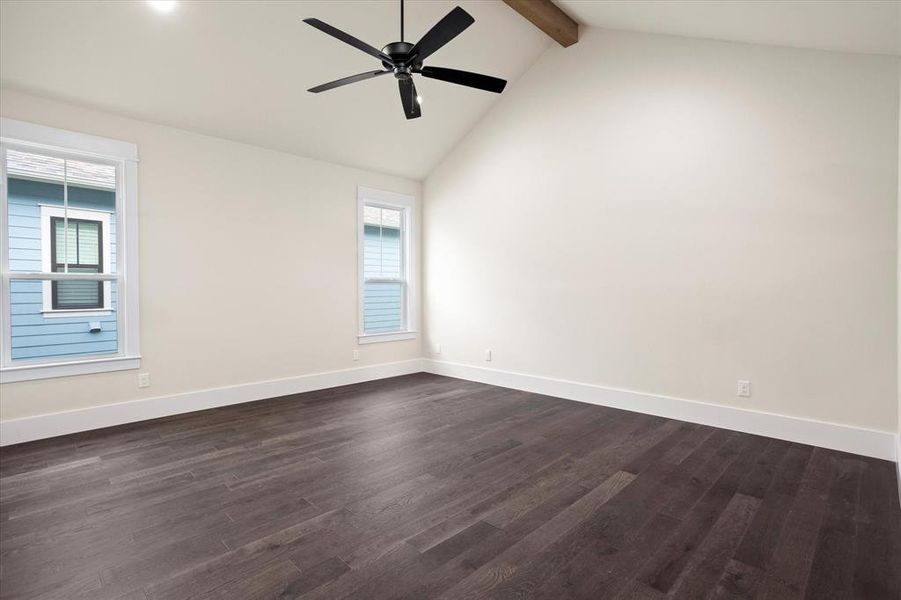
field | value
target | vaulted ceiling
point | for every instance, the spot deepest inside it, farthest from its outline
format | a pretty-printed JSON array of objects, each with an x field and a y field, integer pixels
[{"x": 240, "y": 70}]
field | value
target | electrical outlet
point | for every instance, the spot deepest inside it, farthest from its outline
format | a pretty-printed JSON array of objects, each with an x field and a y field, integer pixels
[
  {"x": 437, "y": 349},
  {"x": 743, "y": 388},
  {"x": 143, "y": 380},
  {"x": 488, "y": 355},
  {"x": 356, "y": 354}
]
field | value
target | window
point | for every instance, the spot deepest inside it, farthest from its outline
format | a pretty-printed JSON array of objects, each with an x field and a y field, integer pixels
[
  {"x": 86, "y": 251},
  {"x": 69, "y": 253},
  {"x": 387, "y": 298},
  {"x": 79, "y": 255}
]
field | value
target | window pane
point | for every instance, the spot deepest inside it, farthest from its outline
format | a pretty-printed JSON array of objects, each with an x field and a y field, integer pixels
[
  {"x": 68, "y": 295},
  {"x": 91, "y": 175},
  {"x": 78, "y": 294},
  {"x": 66, "y": 246},
  {"x": 88, "y": 236},
  {"x": 382, "y": 252},
  {"x": 27, "y": 165},
  {"x": 382, "y": 307},
  {"x": 41, "y": 188},
  {"x": 32, "y": 180},
  {"x": 81, "y": 247},
  {"x": 391, "y": 218},
  {"x": 372, "y": 215},
  {"x": 35, "y": 336}
]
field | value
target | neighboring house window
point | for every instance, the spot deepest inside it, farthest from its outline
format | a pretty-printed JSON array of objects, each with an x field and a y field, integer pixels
[
  {"x": 81, "y": 255},
  {"x": 87, "y": 251},
  {"x": 387, "y": 292},
  {"x": 69, "y": 263}
]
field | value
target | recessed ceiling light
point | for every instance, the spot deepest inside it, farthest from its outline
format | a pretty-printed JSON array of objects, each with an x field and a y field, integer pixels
[
  {"x": 163, "y": 6},
  {"x": 419, "y": 99}
]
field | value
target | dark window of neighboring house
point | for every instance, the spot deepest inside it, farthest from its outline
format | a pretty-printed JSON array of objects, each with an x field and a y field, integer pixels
[{"x": 84, "y": 252}]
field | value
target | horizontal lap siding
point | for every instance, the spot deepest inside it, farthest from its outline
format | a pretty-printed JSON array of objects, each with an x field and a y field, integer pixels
[
  {"x": 33, "y": 334},
  {"x": 382, "y": 307},
  {"x": 382, "y": 302}
]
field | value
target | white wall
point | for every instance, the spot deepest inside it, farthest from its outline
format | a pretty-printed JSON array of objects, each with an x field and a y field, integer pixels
[
  {"x": 670, "y": 215},
  {"x": 248, "y": 264}
]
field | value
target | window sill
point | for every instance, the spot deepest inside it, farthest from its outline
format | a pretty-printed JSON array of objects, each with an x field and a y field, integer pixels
[
  {"x": 374, "y": 338},
  {"x": 62, "y": 313},
  {"x": 30, "y": 372}
]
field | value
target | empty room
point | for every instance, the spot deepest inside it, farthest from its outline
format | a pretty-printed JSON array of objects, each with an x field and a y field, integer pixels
[{"x": 450, "y": 299}]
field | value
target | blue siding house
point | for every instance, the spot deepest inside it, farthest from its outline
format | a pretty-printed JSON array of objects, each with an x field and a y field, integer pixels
[
  {"x": 71, "y": 318},
  {"x": 383, "y": 288}
]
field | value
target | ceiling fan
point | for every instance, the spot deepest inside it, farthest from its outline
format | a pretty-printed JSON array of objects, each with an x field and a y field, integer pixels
[{"x": 404, "y": 59}]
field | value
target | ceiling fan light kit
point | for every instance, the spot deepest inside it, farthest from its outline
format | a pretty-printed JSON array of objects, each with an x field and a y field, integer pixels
[{"x": 403, "y": 60}]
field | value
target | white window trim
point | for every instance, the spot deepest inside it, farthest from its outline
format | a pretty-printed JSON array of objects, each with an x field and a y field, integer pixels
[
  {"x": 410, "y": 315},
  {"x": 375, "y": 338},
  {"x": 48, "y": 212},
  {"x": 124, "y": 156}
]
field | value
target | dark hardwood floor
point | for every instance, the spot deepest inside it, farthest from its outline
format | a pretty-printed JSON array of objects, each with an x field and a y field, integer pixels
[{"x": 428, "y": 487}]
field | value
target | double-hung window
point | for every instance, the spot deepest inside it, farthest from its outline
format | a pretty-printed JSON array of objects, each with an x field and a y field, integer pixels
[
  {"x": 387, "y": 290},
  {"x": 68, "y": 239},
  {"x": 75, "y": 248},
  {"x": 77, "y": 242}
]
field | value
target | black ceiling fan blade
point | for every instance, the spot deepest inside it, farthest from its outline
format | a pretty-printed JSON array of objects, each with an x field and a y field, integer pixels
[
  {"x": 444, "y": 31},
  {"x": 346, "y": 80},
  {"x": 408, "y": 96},
  {"x": 348, "y": 39},
  {"x": 473, "y": 80}
]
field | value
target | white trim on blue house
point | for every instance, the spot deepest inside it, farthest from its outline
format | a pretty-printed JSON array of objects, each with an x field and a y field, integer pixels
[
  {"x": 30, "y": 137},
  {"x": 47, "y": 212}
]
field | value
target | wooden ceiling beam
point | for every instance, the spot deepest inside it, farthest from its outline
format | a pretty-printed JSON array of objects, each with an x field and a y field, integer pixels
[{"x": 549, "y": 18}]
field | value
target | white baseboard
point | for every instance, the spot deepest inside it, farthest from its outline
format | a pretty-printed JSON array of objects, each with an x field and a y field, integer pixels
[
  {"x": 15, "y": 431},
  {"x": 868, "y": 442}
]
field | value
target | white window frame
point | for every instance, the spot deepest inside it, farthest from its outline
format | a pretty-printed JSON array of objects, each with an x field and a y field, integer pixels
[
  {"x": 102, "y": 217},
  {"x": 410, "y": 300},
  {"x": 30, "y": 137}
]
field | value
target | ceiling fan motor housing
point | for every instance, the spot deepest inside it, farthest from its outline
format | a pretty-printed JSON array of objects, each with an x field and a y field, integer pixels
[{"x": 400, "y": 54}]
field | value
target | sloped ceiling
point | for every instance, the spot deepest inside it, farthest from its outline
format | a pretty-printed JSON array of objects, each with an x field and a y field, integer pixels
[
  {"x": 240, "y": 70},
  {"x": 867, "y": 26}
]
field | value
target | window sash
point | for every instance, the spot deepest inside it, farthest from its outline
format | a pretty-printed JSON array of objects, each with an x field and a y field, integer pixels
[
  {"x": 401, "y": 269},
  {"x": 67, "y": 222},
  {"x": 72, "y": 287}
]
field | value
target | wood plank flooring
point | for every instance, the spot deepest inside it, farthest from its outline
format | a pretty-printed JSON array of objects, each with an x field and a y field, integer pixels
[{"x": 425, "y": 487}]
